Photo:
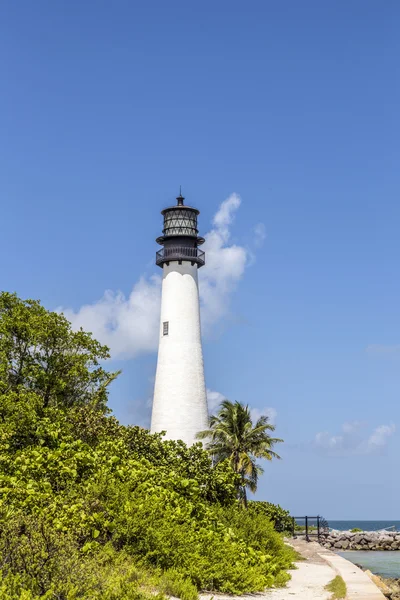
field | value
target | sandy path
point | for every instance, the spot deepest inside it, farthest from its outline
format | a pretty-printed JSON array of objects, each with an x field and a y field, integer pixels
[
  {"x": 309, "y": 579},
  {"x": 307, "y": 583}
]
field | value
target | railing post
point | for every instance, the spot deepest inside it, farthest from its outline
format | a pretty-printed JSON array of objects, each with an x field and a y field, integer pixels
[
  {"x": 318, "y": 527},
  {"x": 307, "y": 529},
  {"x": 293, "y": 526}
]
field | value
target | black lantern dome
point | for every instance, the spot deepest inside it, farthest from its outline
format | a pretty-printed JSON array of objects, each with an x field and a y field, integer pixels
[{"x": 180, "y": 239}]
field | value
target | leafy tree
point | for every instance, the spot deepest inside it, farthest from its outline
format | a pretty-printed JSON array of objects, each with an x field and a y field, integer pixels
[
  {"x": 40, "y": 352},
  {"x": 232, "y": 435}
]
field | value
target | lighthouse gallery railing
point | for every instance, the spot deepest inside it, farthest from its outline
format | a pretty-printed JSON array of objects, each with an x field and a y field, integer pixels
[{"x": 180, "y": 253}]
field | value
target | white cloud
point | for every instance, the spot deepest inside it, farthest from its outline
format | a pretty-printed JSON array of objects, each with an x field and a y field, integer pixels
[
  {"x": 129, "y": 325},
  {"x": 259, "y": 235},
  {"x": 352, "y": 440},
  {"x": 380, "y": 435},
  {"x": 214, "y": 399},
  {"x": 323, "y": 439},
  {"x": 225, "y": 265},
  {"x": 352, "y": 426},
  {"x": 226, "y": 212},
  {"x": 270, "y": 412}
]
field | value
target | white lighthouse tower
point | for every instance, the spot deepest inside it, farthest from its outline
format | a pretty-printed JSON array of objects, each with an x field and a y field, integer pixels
[{"x": 180, "y": 402}]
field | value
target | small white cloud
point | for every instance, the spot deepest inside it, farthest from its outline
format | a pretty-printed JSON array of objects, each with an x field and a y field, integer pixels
[
  {"x": 226, "y": 212},
  {"x": 352, "y": 426},
  {"x": 351, "y": 441},
  {"x": 259, "y": 235},
  {"x": 380, "y": 435},
  {"x": 324, "y": 439},
  {"x": 225, "y": 265},
  {"x": 129, "y": 326},
  {"x": 268, "y": 411},
  {"x": 214, "y": 399}
]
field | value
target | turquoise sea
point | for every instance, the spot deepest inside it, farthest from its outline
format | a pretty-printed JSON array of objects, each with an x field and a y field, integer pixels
[
  {"x": 380, "y": 563},
  {"x": 387, "y": 563}
]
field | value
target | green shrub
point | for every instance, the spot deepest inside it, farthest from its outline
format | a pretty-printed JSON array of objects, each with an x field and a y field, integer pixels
[
  {"x": 99, "y": 493},
  {"x": 91, "y": 509},
  {"x": 40, "y": 562},
  {"x": 169, "y": 530},
  {"x": 173, "y": 583},
  {"x": 355, "y": 530},
  {"x": 258, "y": 531},
  {"x": 280, "y": 517}
]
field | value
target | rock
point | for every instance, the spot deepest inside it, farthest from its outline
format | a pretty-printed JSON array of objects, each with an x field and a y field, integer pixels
[
  {"x": 385, "y": 589},
  {"x": 388, "y": 545},
  {"x": 357, "y": 538},
  {"x": 384, "y": 539},
  {"x": 366, "y": 540},
  {"x": 394, "y": 584}
]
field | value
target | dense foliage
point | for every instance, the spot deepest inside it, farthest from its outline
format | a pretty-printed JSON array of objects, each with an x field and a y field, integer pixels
[
  {"x": 233, "y": 436},
  {"x": 93, "y": 509},
  {"x": 278, "y": 516}
]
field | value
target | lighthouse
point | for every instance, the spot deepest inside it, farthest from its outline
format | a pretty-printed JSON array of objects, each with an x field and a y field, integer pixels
[{"x": 180, "y": 402}]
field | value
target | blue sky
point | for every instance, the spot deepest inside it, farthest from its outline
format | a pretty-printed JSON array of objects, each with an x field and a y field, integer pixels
[{"x": 107, "y": 107}]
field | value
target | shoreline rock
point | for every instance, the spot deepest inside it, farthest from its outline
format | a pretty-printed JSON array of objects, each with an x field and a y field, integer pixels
[
  {"x": 365, "y": 540},
  {"x": 389, "y": 586}
]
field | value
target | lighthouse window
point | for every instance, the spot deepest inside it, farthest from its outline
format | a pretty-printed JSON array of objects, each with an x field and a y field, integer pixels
[
  {"x": 165, "y": 327},
  {"x": 180, "y": 222}
]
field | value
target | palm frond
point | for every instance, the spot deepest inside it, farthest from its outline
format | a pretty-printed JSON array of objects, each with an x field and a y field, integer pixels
[{"x": 233, "y": 435}]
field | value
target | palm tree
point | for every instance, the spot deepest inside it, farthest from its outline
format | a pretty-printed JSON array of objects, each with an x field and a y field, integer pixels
[{"x": 232, "y": 435}]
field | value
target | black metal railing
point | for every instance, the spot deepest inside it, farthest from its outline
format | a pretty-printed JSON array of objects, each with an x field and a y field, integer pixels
[
  {"x": 180, "y": 253},
  {"x": 309, "y": 527}
]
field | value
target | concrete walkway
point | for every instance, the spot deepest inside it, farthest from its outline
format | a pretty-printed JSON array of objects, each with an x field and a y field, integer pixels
[
  {"x": 309, "y": 578},
  {"x": 359, "y": 585}
]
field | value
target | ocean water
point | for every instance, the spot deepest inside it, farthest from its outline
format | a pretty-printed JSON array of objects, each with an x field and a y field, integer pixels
[
  {"x": 381, "y": 563},
  {"x": 385, "y": 563},
  {"x": 364, "y": 525}
]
